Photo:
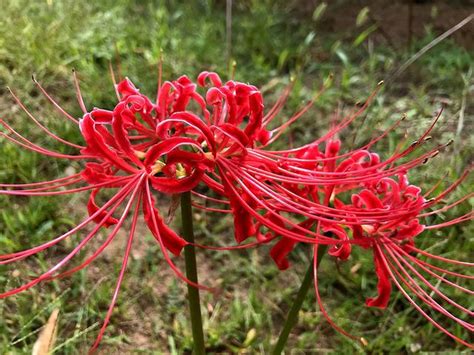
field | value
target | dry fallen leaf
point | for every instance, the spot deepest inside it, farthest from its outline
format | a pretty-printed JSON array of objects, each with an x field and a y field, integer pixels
[
  {"x": 175, "y": 203},
  {"x": 47, "y": 338}
]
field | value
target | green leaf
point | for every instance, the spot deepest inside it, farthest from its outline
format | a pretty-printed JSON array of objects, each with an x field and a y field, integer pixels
[
  {"x": 319, "y": 11},
  {"x": 363, "y": 36},
  {"x": 342, "y": 56},
  {"x": 282, "y": 58},
  {"x": 362, "y": 16},
  {"x": 309, "y": 38}
]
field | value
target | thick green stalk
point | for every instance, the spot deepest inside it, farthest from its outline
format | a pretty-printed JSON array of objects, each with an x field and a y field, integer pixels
[
  {"x": 292, "y": 317},
  {"x": 191, "y": 274}
]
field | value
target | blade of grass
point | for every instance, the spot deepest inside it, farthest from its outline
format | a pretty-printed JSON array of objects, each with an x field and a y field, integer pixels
[{"x": 430, "y": 45}]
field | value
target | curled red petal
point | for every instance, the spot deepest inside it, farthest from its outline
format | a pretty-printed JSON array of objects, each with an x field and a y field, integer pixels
[
  {"x": 171, "y": 240},
  {"x": 339, "y": 251},
  {"x": 368, "y": 198},
  {"x": 411, "y": 230},
  {"x": 244, "y": 226},
  {"x": 102, "y": 116},
  {"x": 166, "y": 146},
  {"x": 195, "y": 122},
  {"x": 194, "y": 160},
  {"x": 175, "y": 185},
  {"x": 236, "y": 133},
  {"x": 214, "y": 77},
  {"x": 96, "y": 145},
  {"x": 384, "y": 285},
  {"x": 279, "y": 252},
  {"x": 121, "y": 137},
  {"x": 93, "y": 208},
  {"x": 95, "y": 173},
  {"x": 126, "y": 88}
]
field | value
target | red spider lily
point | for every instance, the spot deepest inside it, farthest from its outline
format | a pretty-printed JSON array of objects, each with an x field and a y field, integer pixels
[
  {"x": 136, "y": 147},
  {"x": 264, "y": 189},
  {"x": 125, "y": 149},
  {"x": 184, "y": 141},
  {"x": 384, "y": 215}
]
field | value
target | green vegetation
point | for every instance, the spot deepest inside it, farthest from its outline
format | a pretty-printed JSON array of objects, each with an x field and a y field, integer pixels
[{"x": 271, "y": 41}]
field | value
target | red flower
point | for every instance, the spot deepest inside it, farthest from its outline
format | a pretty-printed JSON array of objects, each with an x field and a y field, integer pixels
[
  {"x": 129, "y": 149},
  {"x": 141, "y": 146},
  {"x": 306, "y": 194},
  {"x": 382, "y": 214}
]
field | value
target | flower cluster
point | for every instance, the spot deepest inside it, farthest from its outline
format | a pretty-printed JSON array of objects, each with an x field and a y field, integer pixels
[{"x": 216, "y": 142}]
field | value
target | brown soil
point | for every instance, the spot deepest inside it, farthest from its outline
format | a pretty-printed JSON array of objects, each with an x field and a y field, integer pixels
[{"x": 399, "y": 22}]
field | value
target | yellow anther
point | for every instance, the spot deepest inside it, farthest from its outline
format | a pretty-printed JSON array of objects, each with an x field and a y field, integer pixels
[
  {"x": 209, "y": 155},
  {"x": 180, "y": 171},
  {"x": 157, "y": 167},
  {"x": 368, "y": 228},
  {"x": 140, "y": 155}
]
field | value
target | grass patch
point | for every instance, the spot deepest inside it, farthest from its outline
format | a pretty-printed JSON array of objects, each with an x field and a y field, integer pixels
[{"x": 49, "y": 38}]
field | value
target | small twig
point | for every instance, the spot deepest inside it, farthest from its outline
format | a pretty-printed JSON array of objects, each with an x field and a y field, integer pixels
[
  {"x": 228, "y": 30},
  {"x": 430, "y": 45},
  {"x": 462, "y": 110}
]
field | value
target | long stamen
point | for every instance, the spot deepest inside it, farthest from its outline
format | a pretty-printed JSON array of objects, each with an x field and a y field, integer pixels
[
  {"x": 210, "y": 198},
  {"x": 65, "y": 260},
  {"x": 318, "y": 238},
  {"x": 319, "y": 299},
  {"x": 435, "y": 186},
  {"x": 285, "y": 157},
  {"x": 464, "y": 218},
  {"x": 64, "y": 192},
  {"x": 331, "y": 178},
  {"x": 57, "y": 186},
  {"x": 425, "y": 266},
  {"x": 46, "y": 130},
  {"x": 352, "y": 217},
  {"x": 99, "y": 250},
  {"x": 419, "y": 292},
  {"x": 80, "y": 100},
  {"x": 114, "y": 81},
  {"x": 121, "y": 274},
  {"x": 417, "y": 307},
  {"x": 345, "y": 122},
  {"x": 160, "y": 74},
  {"x": 440, "y": 258},
  {"x": 54, "y": 103},
  {"x": 397, "y": 256},
  {"x": 116, "y": 199},
  {"x": 34, "y": 147},
  {"x": 279, "y": 130},
  {"x": 451, "y": 188},
  {"x": 42, "y": 183},
  {"x": 278, "y": 105},
  {"x": 447, "y": 207},
  {"x": 163, "y": 247},
  {"x": 210, "y": 209}
]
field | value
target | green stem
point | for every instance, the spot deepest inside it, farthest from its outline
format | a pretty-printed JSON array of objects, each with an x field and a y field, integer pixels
[
  {"x": 292, "y": 317},
  {"x": 191, "y": 274}
]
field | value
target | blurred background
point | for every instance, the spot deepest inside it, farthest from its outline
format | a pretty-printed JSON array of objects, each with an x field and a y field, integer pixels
[{"x": 359, "y": 42}]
